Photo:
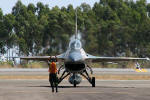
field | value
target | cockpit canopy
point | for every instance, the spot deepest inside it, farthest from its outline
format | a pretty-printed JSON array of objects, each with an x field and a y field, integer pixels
[{"x": 75, "y": 44}]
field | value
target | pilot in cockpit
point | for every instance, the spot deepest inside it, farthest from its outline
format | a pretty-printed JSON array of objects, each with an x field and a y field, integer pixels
[{"x": 76, "y": 44}]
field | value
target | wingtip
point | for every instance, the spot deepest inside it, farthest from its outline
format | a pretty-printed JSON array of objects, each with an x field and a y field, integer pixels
[{"x": 147, "y": 58}]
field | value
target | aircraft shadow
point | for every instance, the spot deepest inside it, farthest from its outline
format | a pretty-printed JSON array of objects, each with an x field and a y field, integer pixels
[
  {"x": 80, "y": 86},
  {"x": 62, "y": 86}
]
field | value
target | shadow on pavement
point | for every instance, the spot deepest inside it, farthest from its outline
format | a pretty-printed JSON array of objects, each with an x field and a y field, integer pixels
[{"x": 80, "y": 86}]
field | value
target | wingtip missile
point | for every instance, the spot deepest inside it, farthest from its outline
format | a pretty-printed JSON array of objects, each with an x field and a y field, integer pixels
[{"x": 147, "y": 58}]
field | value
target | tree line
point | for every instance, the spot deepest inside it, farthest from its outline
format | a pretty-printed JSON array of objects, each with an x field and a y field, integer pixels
[{"x": 109, "y": 28}]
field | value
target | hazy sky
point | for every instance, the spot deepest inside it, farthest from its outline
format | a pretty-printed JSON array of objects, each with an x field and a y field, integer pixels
[{"x": 6, "y": 5}]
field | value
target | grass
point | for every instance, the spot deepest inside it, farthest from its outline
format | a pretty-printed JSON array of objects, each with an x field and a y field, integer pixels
[
  {"x": 7, "y": 64},
  {"x": 93, "y": 65},
  {"x": 36, "y": 65}
]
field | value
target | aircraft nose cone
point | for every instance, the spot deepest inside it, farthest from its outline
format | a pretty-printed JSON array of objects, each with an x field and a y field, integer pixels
[{"x": 75, "y": 56}]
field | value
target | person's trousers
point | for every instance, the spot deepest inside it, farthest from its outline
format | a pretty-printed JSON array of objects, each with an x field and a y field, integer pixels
[{"x": 53, "y": 81}]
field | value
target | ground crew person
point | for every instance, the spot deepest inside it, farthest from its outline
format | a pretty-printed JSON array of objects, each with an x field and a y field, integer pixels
[
  {"x": 53, "y": 75},
  {"x": 138, "y": 66}
]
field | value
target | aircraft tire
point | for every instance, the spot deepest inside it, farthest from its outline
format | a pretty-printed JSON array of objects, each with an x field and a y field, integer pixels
[
  {"x": 93, "y": 81},
  {"x": 74, "y": 84}
]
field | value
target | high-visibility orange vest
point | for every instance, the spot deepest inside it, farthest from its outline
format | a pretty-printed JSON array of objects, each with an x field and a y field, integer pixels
[{"x": 53, "y": 68}]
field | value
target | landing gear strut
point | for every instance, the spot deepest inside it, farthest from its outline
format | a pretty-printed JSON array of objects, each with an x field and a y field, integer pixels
[
  {"x": 63, "y": 76},
  {"x": 91, "y": 80},
  {"x": 74, "y": 83}
]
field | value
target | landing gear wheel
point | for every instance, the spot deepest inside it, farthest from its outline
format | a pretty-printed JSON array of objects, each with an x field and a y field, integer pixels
[
  {"x": 93, "y": 81},
  {"x": 74, "y": 84}
]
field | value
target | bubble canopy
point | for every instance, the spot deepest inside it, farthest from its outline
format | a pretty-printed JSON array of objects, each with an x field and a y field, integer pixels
[{"x": 75, "y": 44}]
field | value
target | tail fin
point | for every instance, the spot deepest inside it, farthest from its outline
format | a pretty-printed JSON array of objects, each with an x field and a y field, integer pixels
[{"x": 76, "y": 31}]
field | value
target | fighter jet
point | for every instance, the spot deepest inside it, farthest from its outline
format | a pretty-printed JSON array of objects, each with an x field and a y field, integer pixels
[{"x": 76, "y": 61}]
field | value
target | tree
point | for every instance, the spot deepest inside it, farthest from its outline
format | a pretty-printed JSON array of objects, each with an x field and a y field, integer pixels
[{"x": 110, "y": 28}]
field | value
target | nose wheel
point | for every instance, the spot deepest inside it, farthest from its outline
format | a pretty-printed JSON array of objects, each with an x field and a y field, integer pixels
[{"x": 74, "y": 83}]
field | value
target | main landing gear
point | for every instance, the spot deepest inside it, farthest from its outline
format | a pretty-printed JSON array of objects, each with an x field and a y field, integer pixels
[
  {"x": 90, "y": 79},
  {"x": 93, "y": 81},
  {"x": 75, "y": 78}
]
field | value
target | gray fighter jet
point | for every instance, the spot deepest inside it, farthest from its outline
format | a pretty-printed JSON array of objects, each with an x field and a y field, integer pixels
[{"x": 75, "y": 61}]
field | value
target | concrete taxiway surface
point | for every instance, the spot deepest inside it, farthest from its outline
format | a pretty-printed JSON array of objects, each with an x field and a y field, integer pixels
[
  {"x": 32, "y": 84},
  {"x": 104, "y": 90}
]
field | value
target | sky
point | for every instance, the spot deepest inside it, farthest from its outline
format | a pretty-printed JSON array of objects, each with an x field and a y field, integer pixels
[{"x": 7, "y": 5}]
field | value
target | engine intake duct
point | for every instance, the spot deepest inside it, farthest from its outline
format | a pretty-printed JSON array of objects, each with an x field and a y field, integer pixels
[{"x": 75, "y": 67}]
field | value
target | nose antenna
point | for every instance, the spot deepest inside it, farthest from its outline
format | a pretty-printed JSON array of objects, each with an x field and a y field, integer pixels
[{"x": 76, "y": 31}]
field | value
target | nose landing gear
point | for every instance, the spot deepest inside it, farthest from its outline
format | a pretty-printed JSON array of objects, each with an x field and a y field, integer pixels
[{"x": 74, "y": 83}]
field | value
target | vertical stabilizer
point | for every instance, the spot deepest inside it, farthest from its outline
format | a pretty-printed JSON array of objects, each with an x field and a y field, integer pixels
[{"x": 76, "y": 31}]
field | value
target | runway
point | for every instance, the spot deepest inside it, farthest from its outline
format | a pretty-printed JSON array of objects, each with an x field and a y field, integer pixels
[
  {"x": 104, "y": 90},
  {"x": 32, "y": 84}
]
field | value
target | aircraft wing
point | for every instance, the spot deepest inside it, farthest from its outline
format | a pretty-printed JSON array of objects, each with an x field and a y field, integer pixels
[
  {"x": 40, "y": 58},
  {"x": 43, "y": 58},
  {"x": 111, "y": 59}
]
